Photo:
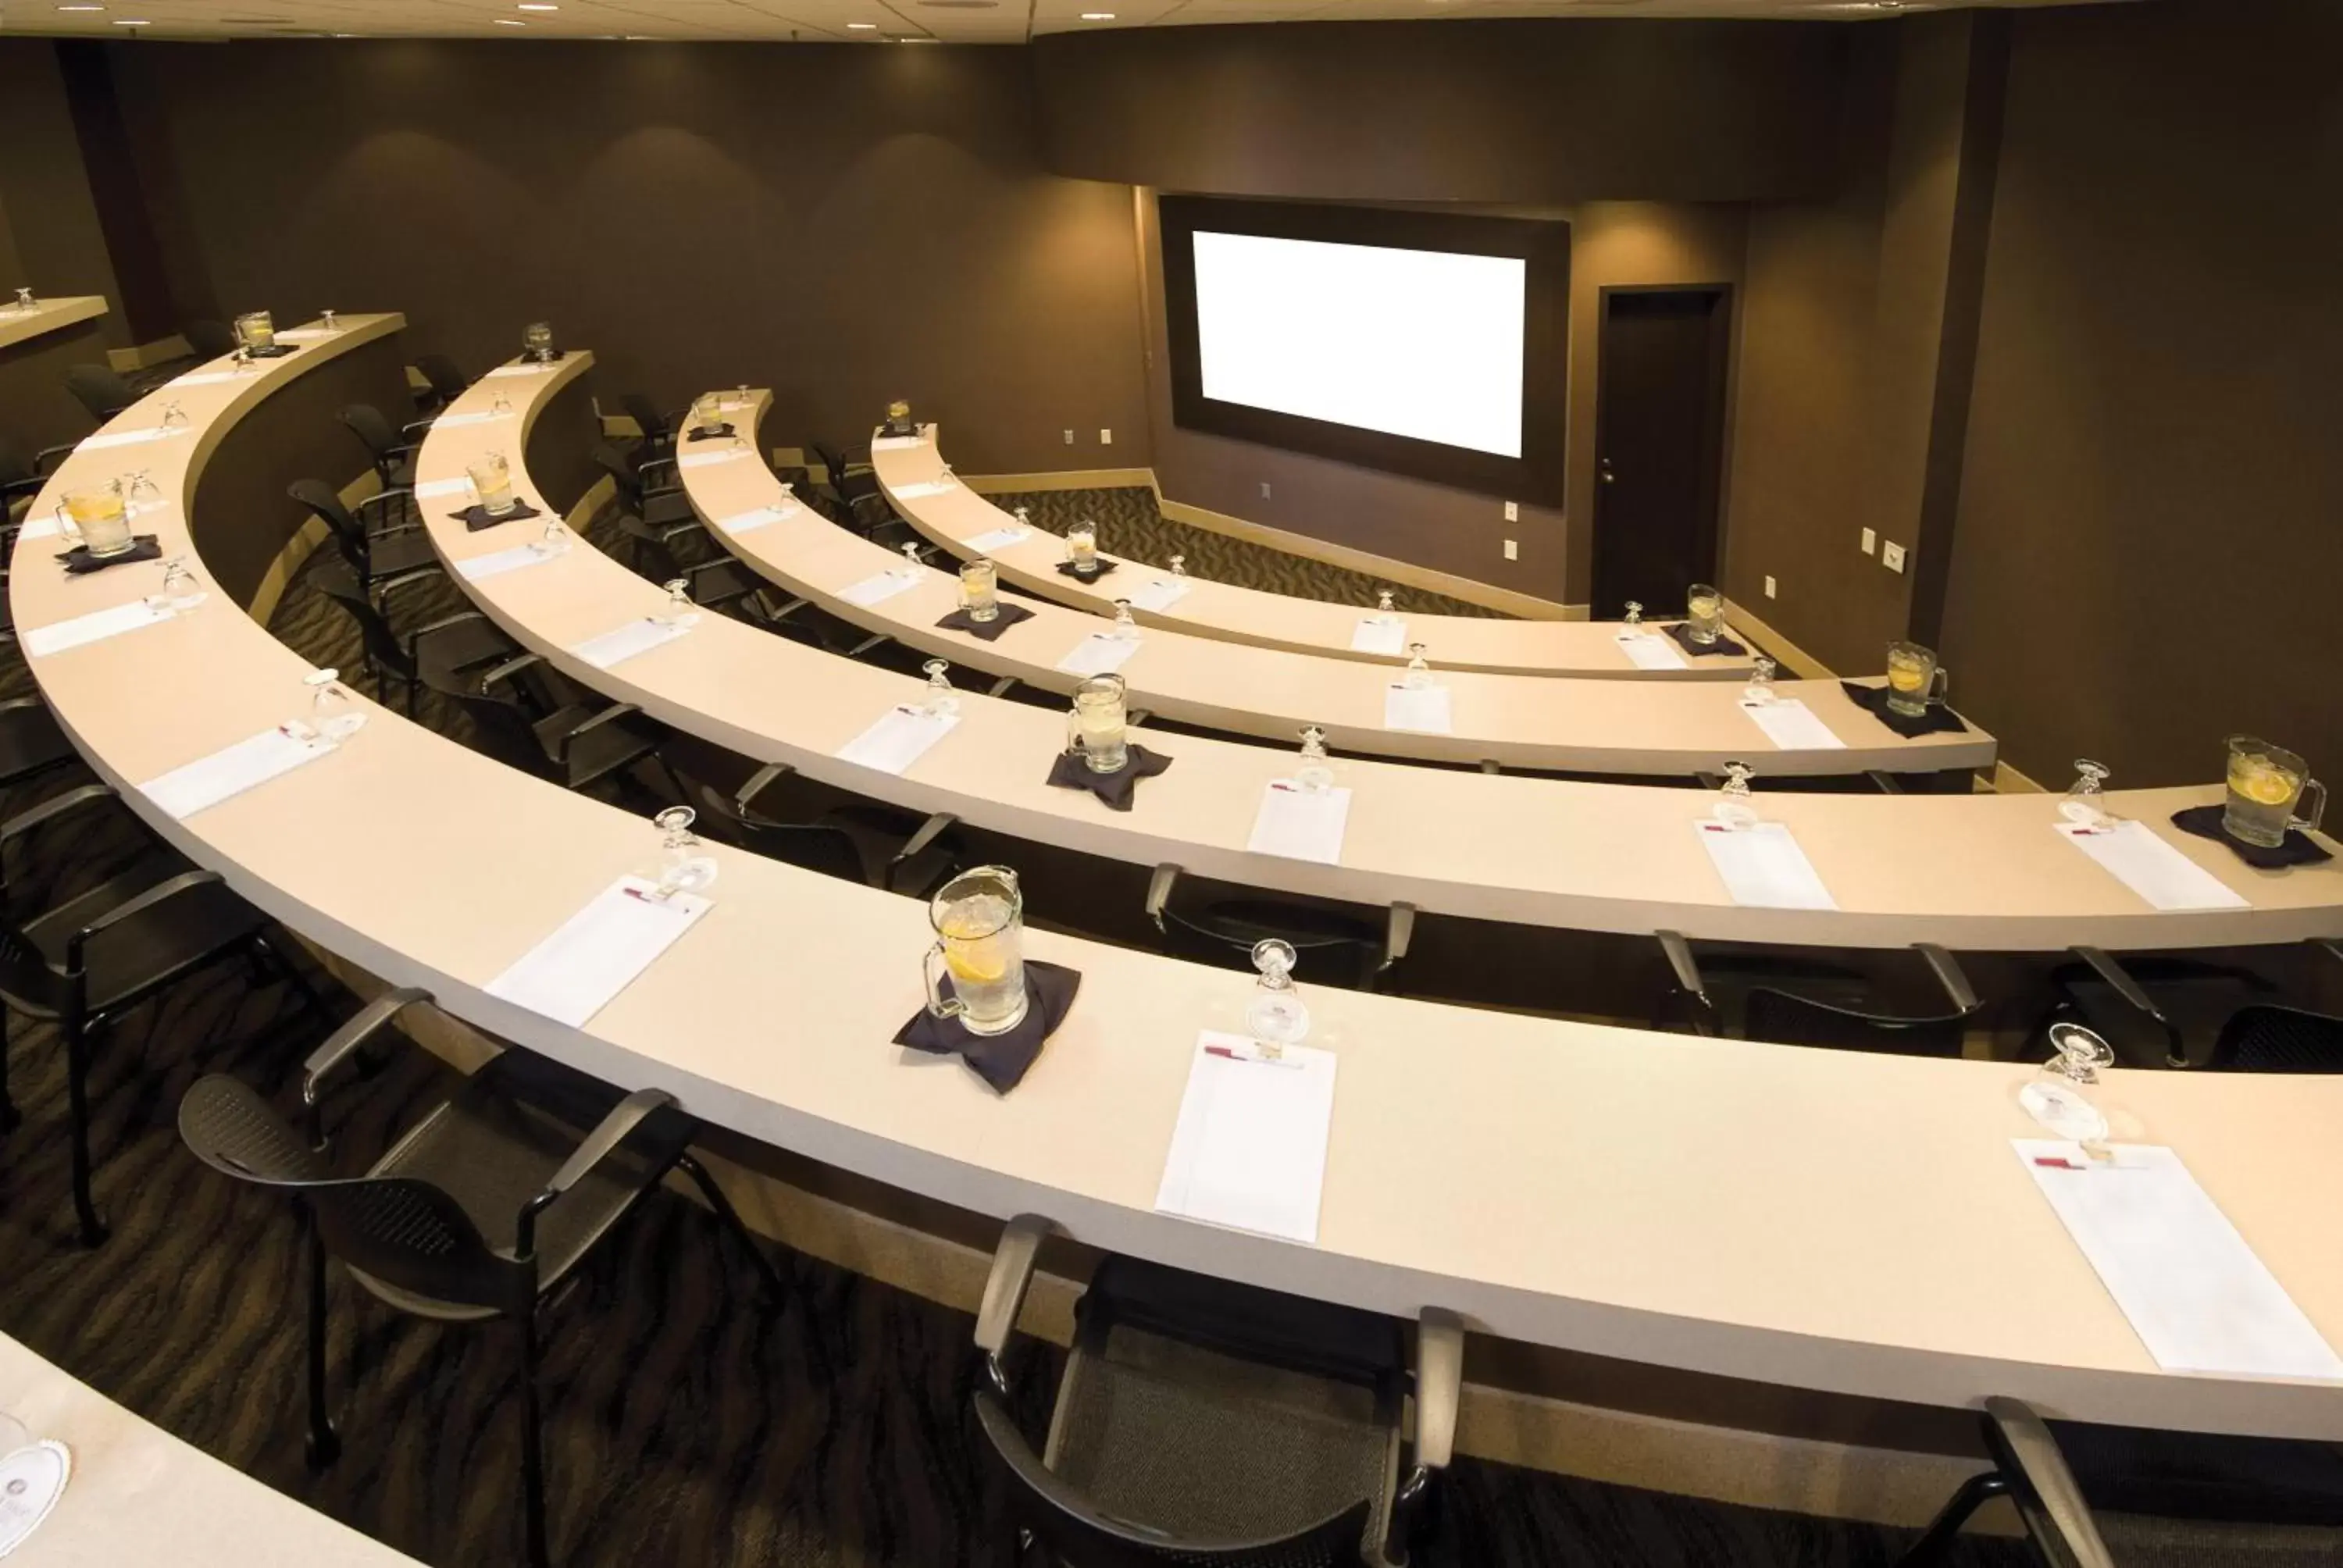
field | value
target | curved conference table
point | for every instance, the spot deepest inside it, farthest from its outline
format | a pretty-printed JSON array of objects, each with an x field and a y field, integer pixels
[
  {"x": 1833, "y": 1220},
  {"x": 1609, "y": 727},
  {"x": 912, "y": 471}
]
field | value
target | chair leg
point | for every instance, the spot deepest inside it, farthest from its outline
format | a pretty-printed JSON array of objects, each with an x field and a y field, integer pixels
[
  {"x": 412, "y": 682},
  {"x": 10, "y": 1117},
  {"x": 93, "y": 1225},
  {"x": 1975, "y": 1493},
  {"x": 532, "y": 1448},
  {"x": 324, "y": 1445},
  {"x": 285, "y": 965},
  {"x": 776, "y": 1290}
]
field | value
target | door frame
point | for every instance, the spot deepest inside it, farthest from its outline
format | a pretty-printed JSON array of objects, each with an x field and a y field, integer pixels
[{"x": 1722, "y": 344}]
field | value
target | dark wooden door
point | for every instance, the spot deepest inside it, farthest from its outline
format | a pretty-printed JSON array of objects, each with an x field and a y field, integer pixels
[{"x": 1659, "y": 434}]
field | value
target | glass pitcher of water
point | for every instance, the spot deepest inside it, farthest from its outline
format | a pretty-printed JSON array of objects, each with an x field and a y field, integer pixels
[
  {"x": 491, "y": 478},
  {"x": 980, "y": 590},
  {"x": 980, "y": 922},
  {"x": 538, "y": 338},
  {"x": 1098, "y": 728},
  {"x": 1703, "y": 613},
  {"x": 1081, "y": 546},
  {"x": 1914, "y": 678},
  {"x": 2266, "y": 784},
  {"x": 101, "y": 519},
  {"x": 256, "y": 330}
]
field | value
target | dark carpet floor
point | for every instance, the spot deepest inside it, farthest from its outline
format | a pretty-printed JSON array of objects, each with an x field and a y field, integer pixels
[{"x": 687, "y": 1427}]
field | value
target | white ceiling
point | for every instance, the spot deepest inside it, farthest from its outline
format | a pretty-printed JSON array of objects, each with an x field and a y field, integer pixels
[{"x": 876, "y": 21}]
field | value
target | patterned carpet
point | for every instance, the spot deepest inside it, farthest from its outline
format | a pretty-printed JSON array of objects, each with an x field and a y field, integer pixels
[{"x": 686, "y": 1427}]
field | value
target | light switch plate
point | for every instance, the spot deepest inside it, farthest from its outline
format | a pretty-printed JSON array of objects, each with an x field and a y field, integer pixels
[
  {"x": 1891, "y": 556},
  {"x": 1513, "y": 511},
  {"x": 1264, "y": 490},
  {"x": 1769, "y": 588},
  {"x": 1070, "y": 437},
  {"x": 1870, "y": 541},
  {"x": 1106, "y": 437},
  {"x": 1513, "y": 550}
]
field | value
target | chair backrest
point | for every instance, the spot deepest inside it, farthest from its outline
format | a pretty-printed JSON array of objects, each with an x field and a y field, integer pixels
[
  {"x": 1788, "y": 1018},
  {"x": 816, "y": 846},
  {"x": 624, "y": 473},
  {"x": 2268, "y": 1037},
  {"x": 651, "y": 554},
  {"x": 374, "y": 431},
  {"x": 1327, "y": 943},
  {"x": 648, "y": 417},
  {"x": 447, "y": 383},
  {"x": 1074, "y": 1533},
  {"x": 724, "y": 583},
  {"x": 401, "y": 1230},
  {"x": 502, "y": 727},
  {"x": 27, "y": 983},
  {"x": 339, "y": 581},
  {"x": 101, "y": 391},
  {"x": 208, "y": 339},
  {"x": 321, "y": 498},
  {"x": 15, "y": 468}
]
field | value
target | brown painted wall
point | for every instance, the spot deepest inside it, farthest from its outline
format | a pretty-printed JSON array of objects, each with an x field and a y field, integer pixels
[
  {"x": 845, "y": 223},
  {"x": 1431, "y": 525},
  {"x": 1528, "y": 113},
  {"x": 2151, "y": 516},
  {"x": 44, "y": 186}
]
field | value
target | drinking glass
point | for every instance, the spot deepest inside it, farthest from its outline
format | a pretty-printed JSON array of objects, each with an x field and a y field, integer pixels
[
  {"x": 1419, "y": 669},
  {"x": 1703, "y": 613},
  {"x": 1736, "y": 803},
  {"x": 741, "y": 396},
  {"x": 2086, "y": 801},
  {"x": 243, "y": 360},
  {"x": 491, "y": 478},
  {"x": 1914, "y": 678},
  {"x": 1634, "y": 616},
  {"x": 24, "y": 300},
  {"x": 1316, "y": 774},
  {"x": 256, "y": 330},
  {"x": 331, "y": 714},
  {"x": 980, "y": 590},
  {"x": 681, "y": 870},
  {"x": 179, "y": 589},
  {"x": 1760, "y": 689},
  {"x": 174, "y": 417},
  {"x": 141, "y": 488},
  {"x": 898, "y": 418},
  {"x": 330, "y": 321},
  {"x": 943, "y": 700},
  {"x": 1081, "y": 546},
  {"x": 1024, "y": 516},
  {"x": 1126, "y": 628},
  {"x": 978, "y": 918},
  {"x": 1276, "y": 1017},
  {"x": 680, "y": 611},
  {"x": 913, "y": 565},
  {"x": 1385, "y": 604},
  {"x": 1099, "y": 726},
  {"x": 500, "y": 406},
  {"x": 1179, "y": 565},
  {"x": 538, "y": 338},
  {"x": 102, "y": 519},
  {"x": 2266, "y": 783},
  {"x": 2059, "y": 1096}
]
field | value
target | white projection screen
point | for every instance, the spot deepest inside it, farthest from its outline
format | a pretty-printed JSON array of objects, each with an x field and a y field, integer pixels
[{"x": 1424, "y": 344}]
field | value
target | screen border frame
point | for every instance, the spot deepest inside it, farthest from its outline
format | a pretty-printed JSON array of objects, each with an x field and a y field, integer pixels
[{"x": 1538, "y": 476}]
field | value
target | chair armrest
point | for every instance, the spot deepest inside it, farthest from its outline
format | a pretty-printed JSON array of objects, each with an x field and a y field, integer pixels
[
  {"x": 930, "y": 832},
  {"x": 1947, "y": 970},
  {"x": 368, "y": 1021},
  {"x": 2175, "y": 1050},
  {"x": 2329, "y": 946},
  {"x": 510, "y": 668},
  {"x": 1158, "y": 893},
  {"x": 30, "y": 485},
  {"x": 1002, "y": 687},
  {"x": 876, "y": 639},
  {"x": 1883, "y": 782},
  {"x": 423, "y": 424},
  {"x": 415, "y": 640},
  {"x": 49, "y": 455},
  {"x": 789, "y": 608},
  {"x": 610, "y": 715},
  {"x": 762, "y": 780},
  {"x": 1005, "y": 1291},
  {"x": 1686, "y": 969},
  {"x": 1399, "y": 929},
  {"x": 2045, "y": 1491},
  {"x": 616, "y": 1128},
  {"x": 168, "y": 889},
  {"x": 49, "y": 810}
]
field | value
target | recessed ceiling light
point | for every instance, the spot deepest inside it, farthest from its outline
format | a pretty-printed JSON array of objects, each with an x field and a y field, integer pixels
[
  {"x": 508, "y": 22},
  {"x": 537, "y": 5},
  {"x": 81, "y": 8}
]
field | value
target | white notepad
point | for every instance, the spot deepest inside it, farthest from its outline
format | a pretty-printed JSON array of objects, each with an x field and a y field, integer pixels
[
  {"x": 1650, "y": 650},
  {"x": 742, "y": 522},
  {"x": 2198, "y": 1298},
  {"x": 306, "y": 334},
  {"x": 880, "y": 587},
  {"x": 1100, "y": 653},
  {"x": 1379, "y": 634},
  {"x": 206, "y": 377},
  {"x": 38, "y": 525},
  {"x": 2158, "y": 871},
  {"x": 1299, "y": 825},
  {"x": 625, "y": 643},
  {"x": 1249, "y": 1150},
  {"x": 575, "y": 973},
  {"x": 1160, "y": 594},
  {"x": 985, "y": 544},
  {"x": 130, "y": 437},
  {"x": 901, "y": 738},
  {"x": 224, "y": 774},
  {"x": 1427, "y": 709},
  {"x": 896, "y": 443},
  {"x": 502, "y": 561},
  {"x": 925, "y": 487},
  {"x": 530, "y": 370},
  {"x": 1762, "y": 866},
  {"x": 1791, "y": 724},
  {"x": 95, "y": 626},
  {"x": 708, "y": 459},
  {"x": 455, "y": 487}
]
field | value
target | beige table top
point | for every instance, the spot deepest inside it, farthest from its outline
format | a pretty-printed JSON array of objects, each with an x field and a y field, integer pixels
[
  {"x": 1617, "y": 727},
  {"x": 47, "y": 316},
  {"x": 1972, "y": 872},
  {"x": 138, "y": 1495},
  {"x": 952, "y": 517},
  {"x": 1815, "y": 1219}
]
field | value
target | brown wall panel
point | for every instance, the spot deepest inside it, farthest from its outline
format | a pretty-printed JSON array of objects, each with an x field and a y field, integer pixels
[
  {"x": 44, "y": 186},
  {"x": 35, "y": 410}
]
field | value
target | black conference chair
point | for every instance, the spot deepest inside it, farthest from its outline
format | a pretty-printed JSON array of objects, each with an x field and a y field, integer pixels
[
  {"x": 1203, "y": 1423},
  {"x": 1327, "y": 939},
  {"x": 102, "y": 391},
  {"x": 646, "y": 485},
  {"x": 2175, "y": 1002},
  {"x": 527, "y": 716},
  {"x": 875, "y": 845},
  {"x": 659, "y": 425},
  {"x": 383, "y": 555},
  {"x": 1800, "y": 1001},
  {"x": 658, "y": 553},
  {"x": 390, "y": 450},
  {"x": 21, "y": 478},
  {"x": 88, "y": 959},
  {"x": 476, "y": 1215},
  {"x": 444, "y": 381},
  {"x": 208, "y": 339},
  {"x": 31, "y": 743},
  {"x": 448, "y": 646},
  {"x": 2118, "y": 1497}
]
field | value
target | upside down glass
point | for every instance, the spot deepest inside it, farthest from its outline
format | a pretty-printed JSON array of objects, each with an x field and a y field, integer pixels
[
  {"x": 2266, "y": 784},
  {"x": 978, "y": 918},
  {"x": 1099, "y": 726}
]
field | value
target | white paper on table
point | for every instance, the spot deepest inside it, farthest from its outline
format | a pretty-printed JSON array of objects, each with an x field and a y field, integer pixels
[
  {"x": 985, "y": 544},
  {"x": 206, "y": 378},
  {"x": 706, "y": 459},
  {"x": 597, "y": 953},
  {"x": 1762, "y": 866},
  {"x": 924, "y": 487},
  {"x": 2197, "y": 1295},
  {"x": 880, "y": 587},
  {"x": 1100, "y": 653},
  {"x": 898, "y": 443},
  {"x": 129, "y": 437},
  {"x": 2159, "y": 872},
  {"x": 1791, "y": 724},
  {"x": 1379, "y": 634},
  {"x": 1650, "y": 650},
  {"x": 901, "y": 738},
  {"x": 1300, "y": 825},
  {"x": 1160, "y": 594},
  {"x": 38, "y": 525},
  {"x": 306, "y": 334},
  {"x": 625, "y": 643},
  {"x": 436, "y": 488},
  {"x": 1425, "y": 708},
  {"x": 224, "y": 774},
  {"x": 502, "y": 561},
  {"x": 741, "y": 522},
  {"x": 59, "y": 635},
  {"x": 1249, "y": 1150},
  {"x": 454, "y": 421},
  {"x": 530, "y": 370}
]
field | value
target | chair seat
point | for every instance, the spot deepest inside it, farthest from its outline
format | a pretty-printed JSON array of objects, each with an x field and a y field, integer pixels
[
  {"x": 595, "y": 755},
  {"x": 2146, "y": 1541},
  {"x": 499, "y": 1139},
  {"x": 155, "y": 947},
  {"x": 30, "y": 742},
  {"x": 406, "y": 550},
  {"x": 462, "y": 646}
]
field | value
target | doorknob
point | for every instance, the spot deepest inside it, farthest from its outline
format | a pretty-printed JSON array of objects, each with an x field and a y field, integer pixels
[{"x": 1607, "y": 476}]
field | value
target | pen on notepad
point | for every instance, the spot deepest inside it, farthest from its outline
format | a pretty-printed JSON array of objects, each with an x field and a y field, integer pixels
[{"x": 1223, "y": 1050}]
